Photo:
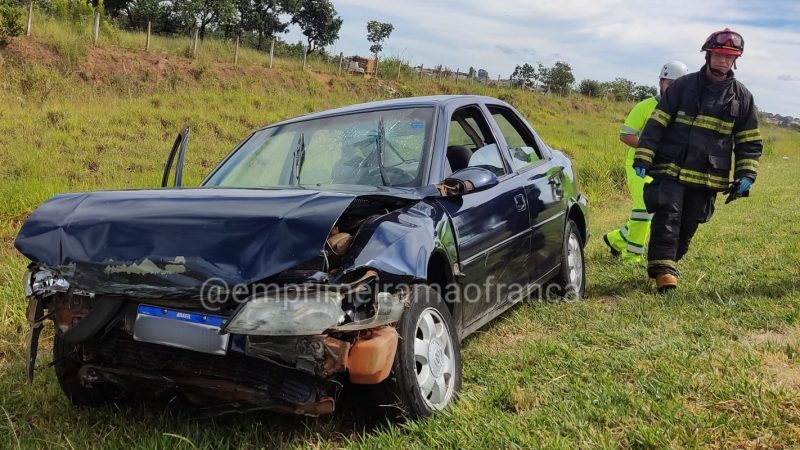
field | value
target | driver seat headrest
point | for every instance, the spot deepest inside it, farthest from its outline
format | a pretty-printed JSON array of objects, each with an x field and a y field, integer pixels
[{"x": 458, "y": 156}]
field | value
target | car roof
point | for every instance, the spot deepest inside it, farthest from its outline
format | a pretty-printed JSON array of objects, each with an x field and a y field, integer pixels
[{"x": 408, "y": 102}]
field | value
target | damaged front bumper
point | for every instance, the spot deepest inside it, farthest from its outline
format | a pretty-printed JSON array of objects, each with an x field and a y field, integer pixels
[{"x": 314, "y": 333}]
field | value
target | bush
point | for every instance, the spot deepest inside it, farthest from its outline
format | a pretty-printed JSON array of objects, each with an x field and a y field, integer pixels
[
  {"x": 77, "y": 11},
  {"x": 10, "y": 21}
]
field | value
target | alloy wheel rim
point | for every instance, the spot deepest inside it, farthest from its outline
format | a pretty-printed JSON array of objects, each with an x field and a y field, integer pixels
[
  {"x": 433, "y": 359},
  {"x": 575, "y": 262}
]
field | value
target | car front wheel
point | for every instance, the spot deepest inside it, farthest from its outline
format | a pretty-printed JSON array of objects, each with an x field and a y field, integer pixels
[
  {"x": 426, "y": 375},
  {"x": 572, "y": 276}
]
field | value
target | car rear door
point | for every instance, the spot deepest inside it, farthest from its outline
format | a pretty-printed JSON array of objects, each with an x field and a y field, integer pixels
[
  {"x": 542, "y": 182},
  {"x": 491, "y": 226}
]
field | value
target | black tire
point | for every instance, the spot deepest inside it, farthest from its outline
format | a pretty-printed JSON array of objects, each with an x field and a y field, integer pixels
[
  {"x": 400, "y": 396},
  {"x": 568, "y": 288},
  {"x": 67, "y": 363}
]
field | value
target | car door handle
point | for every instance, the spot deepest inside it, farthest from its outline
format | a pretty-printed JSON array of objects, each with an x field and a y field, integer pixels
[{"x": 519, "y": 201}]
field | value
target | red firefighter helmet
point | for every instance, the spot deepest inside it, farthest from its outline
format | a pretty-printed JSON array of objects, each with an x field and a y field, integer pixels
[{"x": 725, "y": 41}]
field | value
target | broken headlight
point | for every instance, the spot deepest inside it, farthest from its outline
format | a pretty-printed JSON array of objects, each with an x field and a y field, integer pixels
[
  {"x": 26, "y": 283},
  {"x": 288, "y": 314},
  {"x": 43, "y": 282}
]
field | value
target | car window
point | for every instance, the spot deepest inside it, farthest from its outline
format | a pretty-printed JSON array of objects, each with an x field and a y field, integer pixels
[
  {"x": 336, "y": 150},
  {"x": 470, "y": 143},
  {"x": 521, "y": 143}
]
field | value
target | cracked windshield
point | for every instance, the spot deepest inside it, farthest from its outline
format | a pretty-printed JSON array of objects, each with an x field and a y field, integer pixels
[{"x": 380, "y": 148}]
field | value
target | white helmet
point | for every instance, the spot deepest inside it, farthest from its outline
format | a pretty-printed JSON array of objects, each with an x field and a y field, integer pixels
[{"x": 673, "y": 70}]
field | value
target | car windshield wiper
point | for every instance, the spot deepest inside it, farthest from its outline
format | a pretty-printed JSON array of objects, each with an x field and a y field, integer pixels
[
  {"x": 381, "y": 142},
  {"x": 298, "y": 158}
]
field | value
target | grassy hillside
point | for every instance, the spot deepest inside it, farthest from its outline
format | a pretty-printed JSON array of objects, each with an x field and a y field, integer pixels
[{"x": 713, "y": 364}]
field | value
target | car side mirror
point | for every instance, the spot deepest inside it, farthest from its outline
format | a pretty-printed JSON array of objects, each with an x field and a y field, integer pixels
[{"x": 465, "y": 181}]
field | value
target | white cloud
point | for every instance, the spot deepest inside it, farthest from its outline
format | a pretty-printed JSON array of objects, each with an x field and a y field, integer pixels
[{"x": 601, "y": 39}]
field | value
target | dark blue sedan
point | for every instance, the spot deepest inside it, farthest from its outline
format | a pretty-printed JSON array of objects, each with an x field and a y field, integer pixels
[{"x": 358, "y": 245}]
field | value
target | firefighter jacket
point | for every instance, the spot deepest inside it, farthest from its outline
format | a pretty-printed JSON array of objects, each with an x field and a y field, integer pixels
[{"x": 696, "y": 127}]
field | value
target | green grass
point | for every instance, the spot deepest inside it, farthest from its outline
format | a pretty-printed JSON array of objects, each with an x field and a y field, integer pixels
[{"x": 714, "y": 364}]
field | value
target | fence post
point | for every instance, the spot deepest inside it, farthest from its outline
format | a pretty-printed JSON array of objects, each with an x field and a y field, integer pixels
[
  {"x": 194, "y": 41},
  {"x": 341, "y": 59},
  {"x": 149, "y": 30},
  {"x": 305, "y": 55},
  {"x": 457, "y": 70},
  {"x": 420, "y": 71},
  {"x": 271, "y": 52},
  {"x": 96, "y": 27},
  {"x": 30, "y": 19},
  {"x": 236, "y": 52},
  {"x": 399, "y": 66}
]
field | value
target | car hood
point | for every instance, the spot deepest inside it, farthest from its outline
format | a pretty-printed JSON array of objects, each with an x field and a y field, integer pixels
[{"x": 169, "y": 242}]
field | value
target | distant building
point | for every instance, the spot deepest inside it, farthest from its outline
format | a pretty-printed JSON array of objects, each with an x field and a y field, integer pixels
[{"x": 361, "y": 65}]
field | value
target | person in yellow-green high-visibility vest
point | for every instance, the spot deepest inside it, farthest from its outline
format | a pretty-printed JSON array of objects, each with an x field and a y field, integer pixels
[{"x": 629, "y": 241}]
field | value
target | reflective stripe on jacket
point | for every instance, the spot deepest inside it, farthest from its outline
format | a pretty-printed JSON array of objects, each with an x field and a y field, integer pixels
[{"x": 697, "y": 125}]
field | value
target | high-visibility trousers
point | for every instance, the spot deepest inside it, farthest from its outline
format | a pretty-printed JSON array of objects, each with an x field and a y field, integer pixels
[{"x": 630, "y": 240}]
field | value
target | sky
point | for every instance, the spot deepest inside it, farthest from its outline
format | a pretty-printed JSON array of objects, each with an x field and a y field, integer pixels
[{"x": 600, "y": 39}]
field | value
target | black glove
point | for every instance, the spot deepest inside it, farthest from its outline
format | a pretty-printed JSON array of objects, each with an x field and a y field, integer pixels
[{"x": 739, "y": 188}]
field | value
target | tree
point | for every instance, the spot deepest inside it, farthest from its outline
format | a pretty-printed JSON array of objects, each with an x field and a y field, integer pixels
[
  {"x": 263, "y": 17},
  {"x": 622, "y": 89},
  {"x": 319, "y": 22},
  {"x": 139, "y": 12},
  {"x": 590, "y": 88},
  {"x": 204, "y": 13},
  {"x": 641, "y": 92},
  {"x": 377, "y": 32},
  {"x": 524, "y": 76},
  {"x": 559, "y": 78}
]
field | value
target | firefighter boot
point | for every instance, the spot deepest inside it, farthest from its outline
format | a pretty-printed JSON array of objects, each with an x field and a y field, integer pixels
[{"x": 666, "y": 282}]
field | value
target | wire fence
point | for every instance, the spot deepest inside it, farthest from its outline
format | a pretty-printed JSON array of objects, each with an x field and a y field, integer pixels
[{"x": 90, "y": 27}]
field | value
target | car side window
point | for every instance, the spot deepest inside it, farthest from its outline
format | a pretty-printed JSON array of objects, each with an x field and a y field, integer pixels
[
  {"x": 470, "y": 143},
  {"x": 521, "y": 144}
]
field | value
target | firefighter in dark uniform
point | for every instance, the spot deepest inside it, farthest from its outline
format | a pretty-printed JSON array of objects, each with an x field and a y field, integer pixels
[{"x": 704, "y": 125}]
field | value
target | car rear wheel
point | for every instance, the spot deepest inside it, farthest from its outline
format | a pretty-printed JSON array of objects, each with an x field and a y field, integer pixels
[
  {"x": 572, "y": 276},
  {"x": 426, "y": 375}
]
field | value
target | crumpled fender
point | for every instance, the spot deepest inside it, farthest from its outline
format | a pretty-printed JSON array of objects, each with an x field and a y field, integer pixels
[{"x": 398, "y": 244}]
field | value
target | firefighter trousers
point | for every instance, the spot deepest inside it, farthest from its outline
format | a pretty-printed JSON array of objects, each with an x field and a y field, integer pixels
[{"x": 677, "y": 212}]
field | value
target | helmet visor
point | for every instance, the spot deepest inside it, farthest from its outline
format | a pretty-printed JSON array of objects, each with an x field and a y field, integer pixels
[{"x": 729, "y": 39}]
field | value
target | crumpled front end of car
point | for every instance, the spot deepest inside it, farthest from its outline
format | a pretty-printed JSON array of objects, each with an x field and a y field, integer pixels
[{"x": 283, "y": 339}]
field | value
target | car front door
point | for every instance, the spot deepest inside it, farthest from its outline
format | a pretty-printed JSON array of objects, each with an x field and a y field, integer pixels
[
  {"x": 541, "y": 180},
  {"x": 492, "y": 226}
]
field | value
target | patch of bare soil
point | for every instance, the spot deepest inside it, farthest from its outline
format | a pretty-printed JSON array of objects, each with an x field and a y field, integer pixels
[
  {"x": 778, "y": 351},
  {"x": 30, "y": 51},
  {"x": 107, "y": 65}
]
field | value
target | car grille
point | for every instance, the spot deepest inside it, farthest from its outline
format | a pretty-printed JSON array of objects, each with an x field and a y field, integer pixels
[{"x": 279, "y": 382}]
